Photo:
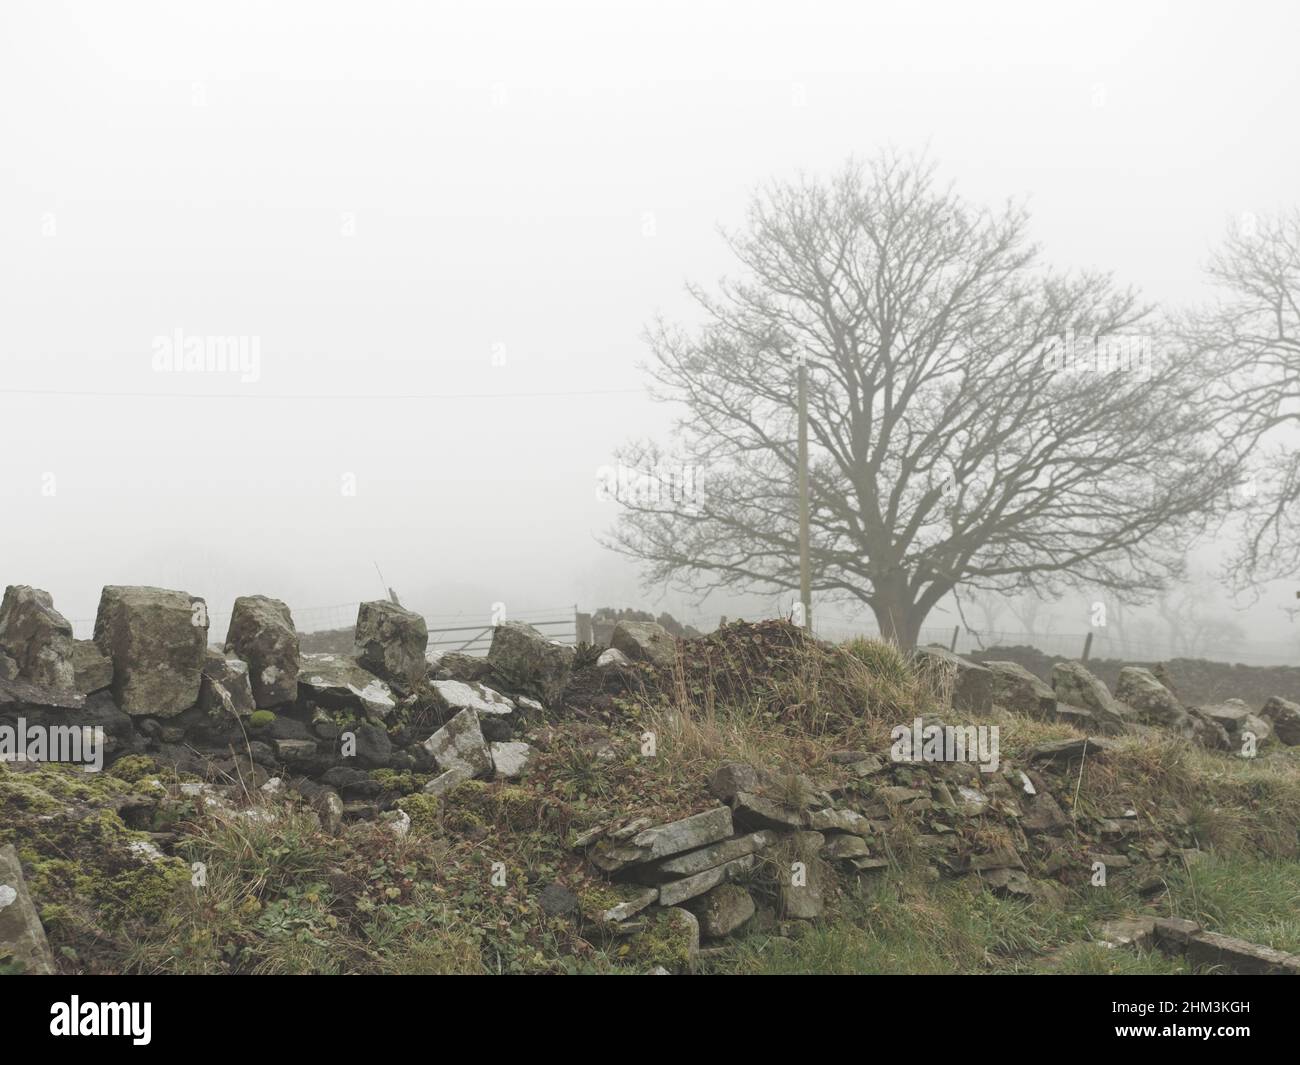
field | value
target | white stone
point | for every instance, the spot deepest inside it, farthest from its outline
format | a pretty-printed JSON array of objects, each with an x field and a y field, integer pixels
[
  {"x": 510, "y": 759},
  {"x": 482, "y": 700}
]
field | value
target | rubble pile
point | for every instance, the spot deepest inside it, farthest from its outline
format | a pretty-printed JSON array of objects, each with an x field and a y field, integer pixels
[{"x": 339, "y": 728}]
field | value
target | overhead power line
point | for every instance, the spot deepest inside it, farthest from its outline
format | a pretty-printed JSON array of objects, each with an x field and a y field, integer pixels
[{"x": 350, "y": 396}]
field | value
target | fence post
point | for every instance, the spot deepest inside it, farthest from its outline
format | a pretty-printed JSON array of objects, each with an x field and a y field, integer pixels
[
  {"x": 956, "y": 629},
  {"x": 1087, "y": 647},
  {"x": 582, "y": 627}
]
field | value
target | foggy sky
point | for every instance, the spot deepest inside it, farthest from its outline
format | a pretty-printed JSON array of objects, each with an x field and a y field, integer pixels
[{"x": 464, "y": 201}]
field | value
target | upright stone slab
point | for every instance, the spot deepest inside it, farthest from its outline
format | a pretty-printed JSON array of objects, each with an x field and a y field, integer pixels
[
  {"x": 157, "y": 639},
  {"x": 391, "y": 641},
  {"x": 37, "y": 637},
  {"x": 528, "y": 663},
  {"x": 262, "y": 634}
]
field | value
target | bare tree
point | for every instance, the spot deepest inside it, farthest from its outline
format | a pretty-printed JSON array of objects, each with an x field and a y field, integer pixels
[
  {"x": 951, "y": 439},
  {"x": 1194, "y": 632},
  {"x": 1254, "y": 333},
  {"x": 1028, "y": 610}
]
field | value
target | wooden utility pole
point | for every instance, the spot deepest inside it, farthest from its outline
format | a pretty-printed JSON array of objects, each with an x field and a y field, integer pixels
[{"x": 805, "y": 580}]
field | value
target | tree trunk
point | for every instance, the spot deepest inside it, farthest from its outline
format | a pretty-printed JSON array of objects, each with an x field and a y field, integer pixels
[{"x": 899, "y": 619}]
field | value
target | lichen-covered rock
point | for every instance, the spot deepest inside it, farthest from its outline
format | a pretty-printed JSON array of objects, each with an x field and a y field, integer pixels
[
  {"x": 510, "y": 759},
  {"x": 1075, "y": 686},
  {"x": 670, "y": 940},
  {"x": 675, "y": 892},
  {"x": 391, "y": 641},
  {"x": 801, "y": 877},
  {"x": 1155, "y": 704},
  {"x": 37, "y": 637},
  {"x": 1238, "y": 719},
  {"x": 722, "y": 910},
  {"x": 339, "y": 683},
  {"x": 1208, "y": 732},
  {"x": 459, "y": 746},
  {"x": 697, "y": 861},
  {"x": 225, "y": 688},
  {"x": 645, "y": 641},
  {"x": 8, "y": 667},
  {"x": 1015, "y": 688},
  {"x": 661, "y": 841},
  {"x": 24, "y": 949},
  {"x": 262, "y": 634},
  {"x": 371, "y": 745},
  {"x": 1284, "y": 716},
  {"x": 612, "y": 658},
  {"x": 96, "y": 883},
  {"x": 528, "y": 663},
  {"x": 456, "y": 665},
  {"x": 967, "y": 686},
  {"x": 93, "y": 668},
  {"x": 453, "y": 696},
  {"x": 23, "y": 702},
  {"x": 157, "y": 639}
]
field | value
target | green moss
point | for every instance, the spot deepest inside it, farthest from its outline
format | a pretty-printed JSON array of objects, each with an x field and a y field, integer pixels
[
  {"x": 595, "y": 898},
  {"x": 667, "y": 940},
  {"x": 259, "y": 719},
  {"x": 134, "y": 768},
  {"x": 422, "y": 810},
  {"x": 403, "y": 782},
  {"x": 145, "y": 893},
  {"x": 90, "y": 875},
  {"x": 45, "y": 787},
  {"x": 507, "y": 806}
]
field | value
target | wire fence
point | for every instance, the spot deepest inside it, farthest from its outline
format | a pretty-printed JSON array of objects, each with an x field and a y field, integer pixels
[
  {"x": 470, "y": 632},
  {"x": 1101, "y": 642}
]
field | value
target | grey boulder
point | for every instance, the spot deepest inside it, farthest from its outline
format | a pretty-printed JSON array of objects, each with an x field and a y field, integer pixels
[
  {"x": 528, "y": 663},
  {"x": 963, "y": 685},
  {"x": 22, "y": 937},
  {"x": 1016, "y": 689},
  {"x": 338, "y": 683},
  {"x": 645, "y": 641},
  {"x": 459, "y": 746},
  {"x": 157, "y": 639},
  {"x": 262, "y": 634},
  {"x": 93, "y": 668},
  {"x": 37, "y": 637},
  {"x": 1284, "y": 716},
  {"x": 391, "y": 641},
  {"x": 1075, "y": 686},
  {"x": 1155, "y": 704},
  {"x": 225, "y": 688}
]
